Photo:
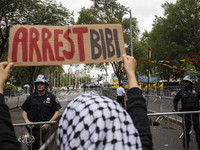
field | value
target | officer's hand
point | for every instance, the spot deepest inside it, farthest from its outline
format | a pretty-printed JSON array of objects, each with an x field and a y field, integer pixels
[
  {"x": 45, "y": 127},
  {"x": 30, "y": 126}
]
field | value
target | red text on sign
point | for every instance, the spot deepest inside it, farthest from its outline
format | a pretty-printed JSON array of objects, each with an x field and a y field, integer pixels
[{"x": 41, "y": 55}]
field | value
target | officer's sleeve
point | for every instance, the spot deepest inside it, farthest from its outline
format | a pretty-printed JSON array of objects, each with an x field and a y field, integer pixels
[
  {"x": 56, "y": 104},
  {"x": 25, "y": 106},
  {"x": 176, "y": 100},
  {"x": 198, "y": 93}
]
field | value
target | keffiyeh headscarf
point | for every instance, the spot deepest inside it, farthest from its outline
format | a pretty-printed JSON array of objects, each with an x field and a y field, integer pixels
[{"x": 94, "y": 122}]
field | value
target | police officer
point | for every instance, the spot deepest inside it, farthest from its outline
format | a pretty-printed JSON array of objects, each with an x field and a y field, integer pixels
[
  {"x": 190, "y": 102},
  {"x": 40, "y": 106},
  {"x": 121, "y": 94}
]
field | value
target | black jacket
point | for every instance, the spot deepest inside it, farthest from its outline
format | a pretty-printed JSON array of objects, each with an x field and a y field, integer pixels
[
  {"x": 136, "y": 108},
  {"x": 8, "y": 140},
  {"x": 189, "y": 99}
]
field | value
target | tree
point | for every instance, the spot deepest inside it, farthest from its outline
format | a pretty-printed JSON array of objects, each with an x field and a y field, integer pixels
[
  {"x": 141, "y": 53},
  {"x": 32, "y": 12},
  {"x": 10, "y": 12},
  {"x": 185, "y": 28},
  {"x": 176, "y": 36},
  {"x": 109, "y": 14}
]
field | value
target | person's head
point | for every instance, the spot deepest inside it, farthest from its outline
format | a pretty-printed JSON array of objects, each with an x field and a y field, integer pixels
[
  {"x": 92, "y": 121},
  {"x": 188, "y": 81},
  {"x": 121, "y": 84},
  {"x": 40, "y": 86},
  {"x": 41, "y": 83}
]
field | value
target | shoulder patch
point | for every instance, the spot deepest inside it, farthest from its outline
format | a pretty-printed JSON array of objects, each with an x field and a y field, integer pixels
[{"x": 56, "y": 100}]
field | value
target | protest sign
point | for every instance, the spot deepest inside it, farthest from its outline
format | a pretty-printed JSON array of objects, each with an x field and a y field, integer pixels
[{"x": 31, "y": 45}]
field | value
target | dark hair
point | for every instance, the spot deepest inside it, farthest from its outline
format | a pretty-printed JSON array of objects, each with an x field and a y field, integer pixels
[{"x": 121, "y": 84}]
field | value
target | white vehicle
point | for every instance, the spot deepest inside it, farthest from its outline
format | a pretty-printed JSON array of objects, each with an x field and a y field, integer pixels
[
  {"x": 70, "y": 87},
  {"x": 63, "y": 88}
]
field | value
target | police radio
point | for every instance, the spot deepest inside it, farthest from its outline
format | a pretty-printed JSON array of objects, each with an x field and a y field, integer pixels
[{"x": 39, "y": 107}]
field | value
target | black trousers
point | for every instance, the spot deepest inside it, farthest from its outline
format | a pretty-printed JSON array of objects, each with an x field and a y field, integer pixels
[
  {"x": 186, "y": 124},
  {"x": 36, "y": 133},
  {"x": 120, "y": 99}
]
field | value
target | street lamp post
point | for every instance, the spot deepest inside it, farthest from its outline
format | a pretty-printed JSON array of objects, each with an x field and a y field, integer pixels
[{"x": 130, "y": 21}]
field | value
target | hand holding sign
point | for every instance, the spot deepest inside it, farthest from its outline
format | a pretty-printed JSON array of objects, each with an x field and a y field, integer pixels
[{"x": 55, "y": 45}]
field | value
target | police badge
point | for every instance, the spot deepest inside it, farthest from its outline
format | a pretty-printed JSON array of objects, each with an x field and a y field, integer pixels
[{"x": 48, "y": 100}]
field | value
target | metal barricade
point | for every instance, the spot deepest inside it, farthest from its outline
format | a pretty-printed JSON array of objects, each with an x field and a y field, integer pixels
[
  {"x": 109, "y": 92},
  {"x": 49, "y": 144},
  {"x": 15, "y": 101},
  {"x": 169, "y": 133},
  {"x": 170, "y": 103},
  {"x": 27, "y": 138}
]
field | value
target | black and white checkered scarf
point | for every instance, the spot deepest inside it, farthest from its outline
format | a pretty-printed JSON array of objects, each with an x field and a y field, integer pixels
[{"x": 94, "y": 122}]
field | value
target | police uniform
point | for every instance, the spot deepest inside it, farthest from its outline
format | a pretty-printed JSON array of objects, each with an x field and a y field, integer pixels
[
  {"x": 120, "y": 96},
  {"x": 40, "y": 108},
  {"x": 189, "y": 102}
]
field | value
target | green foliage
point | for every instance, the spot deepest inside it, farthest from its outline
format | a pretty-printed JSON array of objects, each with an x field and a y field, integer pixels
[
  {"x": 48, "y": 12},
  {"x": 9, "y": 87},
  {"x": 8, "y": 16},
  {"x": 176, "y": 36},
  {"x": 140, "y": 50},
  {"x": 110, "y": 13},
  {"x": 31, "y": 12}
]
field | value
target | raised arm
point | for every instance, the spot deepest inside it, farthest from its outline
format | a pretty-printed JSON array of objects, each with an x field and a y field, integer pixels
[
  {"x": 136, "y": 106},
  {"x": 8, "y": 138}
]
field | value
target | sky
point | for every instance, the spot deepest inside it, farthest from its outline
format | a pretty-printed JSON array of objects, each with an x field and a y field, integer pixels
[{"x": 143, "y": 10}]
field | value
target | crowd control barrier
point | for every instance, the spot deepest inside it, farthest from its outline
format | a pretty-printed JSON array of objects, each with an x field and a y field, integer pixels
[{"x": 168, "y": 134}]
